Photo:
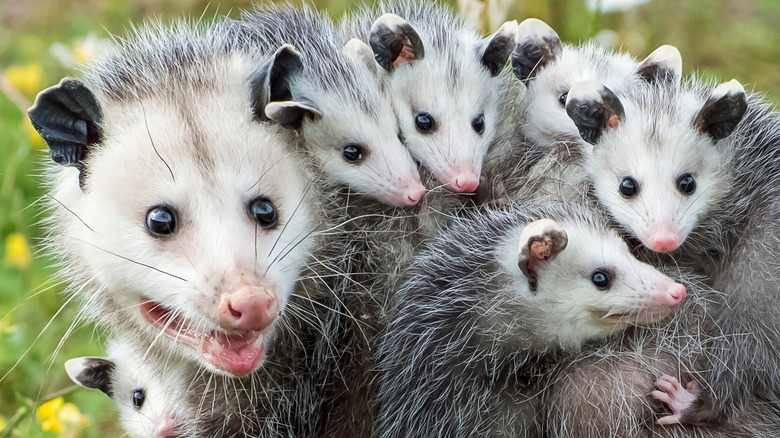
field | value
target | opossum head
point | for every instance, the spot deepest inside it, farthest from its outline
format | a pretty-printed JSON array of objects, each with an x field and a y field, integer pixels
[
  {"x": 184, "y": 221},
  {"x": 550, "y": 68},
  {"x": 148, "y": 399},
  {"x": 657, "y": 163},
  {"x": 582, "y": 283},
  {"x": 447, "y": 92},
  {"x": 345, "y": 120}
]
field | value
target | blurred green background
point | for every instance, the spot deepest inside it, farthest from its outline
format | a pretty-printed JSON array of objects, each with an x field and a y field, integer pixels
[{"x": 44, "y": 40}]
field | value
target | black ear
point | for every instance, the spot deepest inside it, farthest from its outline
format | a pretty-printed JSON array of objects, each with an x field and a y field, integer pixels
[
  {"x": 91, "y": 372},
  {"x": 68, "y": 117},
  {"x": 723, "y": 111},
  {"x": 663, "y": 66},
  {"x": 537, "y": 46},
  {"x": 499, "y": 46},
  {"x": 290, "y": 113},
  {"x": 594, "y": 108},
  {"x": 272, "y": 82},
  {"x": 394, "y": 41}
]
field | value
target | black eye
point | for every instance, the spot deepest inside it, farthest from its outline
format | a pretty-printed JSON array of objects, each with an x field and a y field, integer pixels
[
  {"x": 264, "y": 212},
  {"x": 352, "y": 153},
  {"x": 478, "y": 124},
  {"x": 139, "y": 397},
  {"x": 600, "y": 279},
  {"x": 628, "y": 187},
  {"x": 562, "y": 99},
  {"x": 424, "y": 122},
  {"x": 686, "y": 184},
  {"x": 161, "y": 220}
]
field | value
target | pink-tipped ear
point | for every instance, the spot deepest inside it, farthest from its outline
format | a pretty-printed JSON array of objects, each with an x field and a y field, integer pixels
[
  {"x": 394, "y": 42},
  {"x": 540, "y": 242}
]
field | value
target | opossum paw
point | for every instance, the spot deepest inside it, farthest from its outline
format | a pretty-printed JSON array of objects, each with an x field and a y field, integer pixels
[{"x": 677, "y": 397}]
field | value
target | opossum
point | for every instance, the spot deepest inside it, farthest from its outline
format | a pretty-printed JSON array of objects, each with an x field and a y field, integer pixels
[
  {"x": 492, "y": 303},
  {"x": 149, "y": 402},
  {"x": 181, "y": 220},
  {"x": 446, "y": 83},
  {"x": 550, "y": 68},
  {"x": 692, "y": 172},
  {"x": 336, "y": 102}
]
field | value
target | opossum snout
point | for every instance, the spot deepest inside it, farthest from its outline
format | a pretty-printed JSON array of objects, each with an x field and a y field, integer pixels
[
  {"x": 412, "y": 193},
  {"x": 249, "y": 308},
  {"x": 662, "y": 237},
  {"x": 671, "y": 295},
  {"x": 464, "y": 178},
  {"x": 166, "y": 427}
]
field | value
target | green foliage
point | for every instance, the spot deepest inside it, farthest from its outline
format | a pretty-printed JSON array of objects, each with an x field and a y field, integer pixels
[{"x": 719, "y": 39}]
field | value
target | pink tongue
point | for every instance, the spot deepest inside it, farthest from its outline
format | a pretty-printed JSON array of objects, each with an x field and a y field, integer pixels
[{"x": 235, "y": 354}]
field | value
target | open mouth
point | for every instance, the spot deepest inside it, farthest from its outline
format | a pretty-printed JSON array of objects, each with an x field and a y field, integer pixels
[{"x": 238, "y": 353}]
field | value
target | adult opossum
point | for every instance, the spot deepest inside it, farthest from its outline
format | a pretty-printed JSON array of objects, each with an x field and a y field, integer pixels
[
  {"x": 492, "y": 304},
  {"x": 691, "y": 172},
  {"x": 446, "y": 84},
  {"x": 335, "y": 101},
  {"x": 149, "y": 402}
]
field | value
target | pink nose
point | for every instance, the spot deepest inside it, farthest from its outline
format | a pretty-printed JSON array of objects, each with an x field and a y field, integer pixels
[
  {"x": 465, "y": 182},
  {"x": 166, "y": 427},
  {"x": 664, "y": 245},
  {"x": 676, "y": 292},
  {"x": 413, "y": 193},
  {"x": 249, "y": 308}
]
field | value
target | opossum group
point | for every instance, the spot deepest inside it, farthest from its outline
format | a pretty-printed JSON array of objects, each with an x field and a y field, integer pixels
[{"x": 397, "y": 227}]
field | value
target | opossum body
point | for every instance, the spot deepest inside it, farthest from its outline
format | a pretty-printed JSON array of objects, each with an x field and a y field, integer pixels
[
  {"x": 336, "y": 103},
  {"x": 695, "y": 170},
  {"x": 446, "y": 84},
  {"x": 479, "y": 322},
  {"x": 149, "y": 399},
  {"x": 181, "y": 220}
]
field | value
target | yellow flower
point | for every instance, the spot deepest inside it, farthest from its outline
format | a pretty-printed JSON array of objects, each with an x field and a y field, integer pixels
[
  {"x": 62, "y": 418},
  {"x": 25, "y": 78},
  {"x": 17, "y": 251},
  {"x": 36, "y": 140}
]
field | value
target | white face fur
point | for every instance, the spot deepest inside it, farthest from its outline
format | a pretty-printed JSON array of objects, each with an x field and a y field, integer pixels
[
  {"x": 591, "y": 289},
  {"x": 210, "y": 271},
  {"x": 656, "y": 173},
  {"x": 149, "y": 399},
  {"x": 449, "y": 107}
]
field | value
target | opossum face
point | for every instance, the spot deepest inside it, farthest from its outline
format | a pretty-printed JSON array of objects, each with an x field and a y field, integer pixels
[
  {"x": 584, "y": 284},
  {"x": 448, "y": 102},
  {"x": 549, "y": 69},
  {"x": 147, "y": 398},
  {"x": 347, "y": 125},
  {"x": 656, "y": 166},
  {"x": 191, "y": 222}
]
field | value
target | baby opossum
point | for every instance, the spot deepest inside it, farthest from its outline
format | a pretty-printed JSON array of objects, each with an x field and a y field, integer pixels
[
  {"x": 149, "y": 403},
  {"x": 693, "y": 172},
  {"x": 446, "y": 83},
  {"x": 181, "y": 220},
  {"x": 492, "y": 304},
  {"x": 335, "y": 100},
  {"x": 550, "y": 68}
]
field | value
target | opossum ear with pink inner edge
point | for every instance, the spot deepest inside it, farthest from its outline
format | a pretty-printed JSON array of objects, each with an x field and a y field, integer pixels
[
  {"x": 496, "y": 48},
  {"x": 594, "y": 109},
  {"x": 540, "y": 242},
  {"x": 394, "y": 42},
  {"x": 272, "y": 93},
  {"x": 68, "y": 117},
  {"x": 537, "y": 46},
  {"x": 91, "y": 372},
  {"x": 722, "y": 111},
  {"x": 662, "y": 66}
]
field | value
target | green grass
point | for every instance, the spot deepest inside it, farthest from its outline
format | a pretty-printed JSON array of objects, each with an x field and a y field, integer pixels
[{"x": 720, "y": 39}]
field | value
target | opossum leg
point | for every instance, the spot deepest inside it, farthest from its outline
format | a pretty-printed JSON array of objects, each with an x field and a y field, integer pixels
[{"x": 677, "y": 397}]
